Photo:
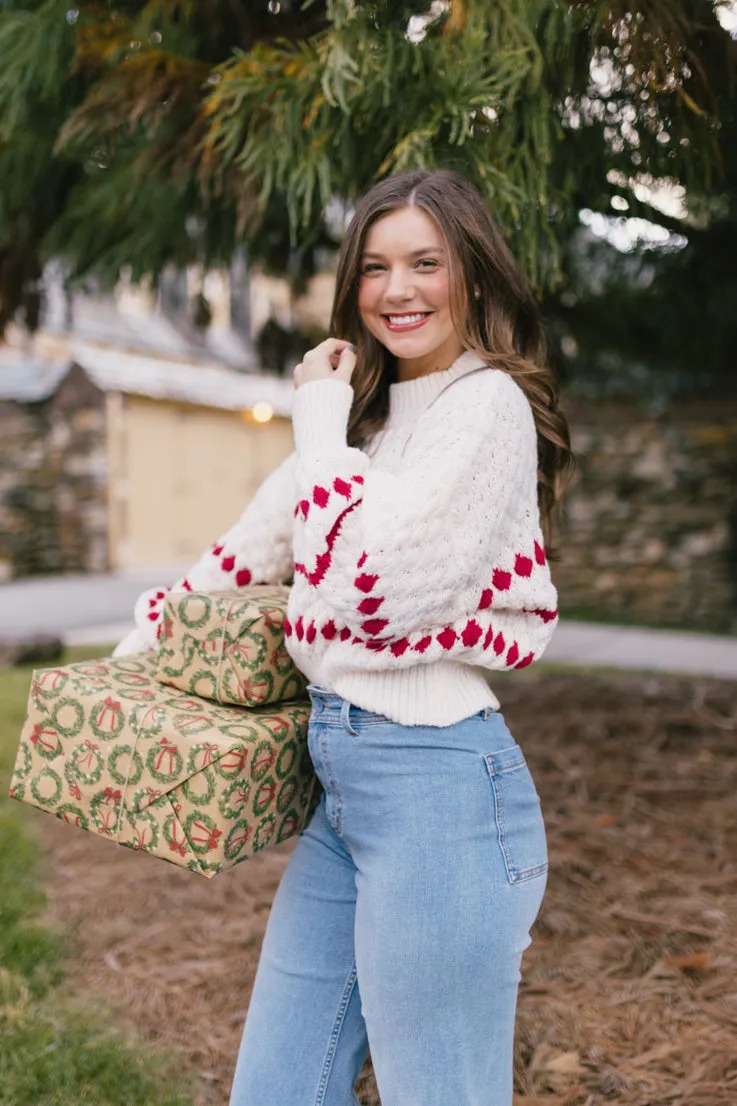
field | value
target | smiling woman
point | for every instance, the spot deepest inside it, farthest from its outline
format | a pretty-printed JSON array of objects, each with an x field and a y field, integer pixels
[
  {"x": 404, "y": 294},
  {"x": 429, "y": 448}
]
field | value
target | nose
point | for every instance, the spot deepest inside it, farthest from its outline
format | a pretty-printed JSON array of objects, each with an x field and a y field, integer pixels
[{"x": 399, "y": 287}]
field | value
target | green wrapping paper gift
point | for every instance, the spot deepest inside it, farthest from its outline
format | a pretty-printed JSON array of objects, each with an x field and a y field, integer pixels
[
  {"x": 107, "y": 748},
  {"x": 229, "y": 646}
]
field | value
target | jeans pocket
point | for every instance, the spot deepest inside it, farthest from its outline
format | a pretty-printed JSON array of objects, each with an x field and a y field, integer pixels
[{"x": 519, "y": 820}]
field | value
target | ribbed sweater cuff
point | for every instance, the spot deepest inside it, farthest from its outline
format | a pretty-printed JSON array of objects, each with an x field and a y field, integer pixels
[{"x": 320, "y": 417}]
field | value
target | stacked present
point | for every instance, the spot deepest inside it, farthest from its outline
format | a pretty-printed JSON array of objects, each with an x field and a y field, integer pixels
[
  {"x": 228, "y": 646},
  {"x": 107, "y": 746}
]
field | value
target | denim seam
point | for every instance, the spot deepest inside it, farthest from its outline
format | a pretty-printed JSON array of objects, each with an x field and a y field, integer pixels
[
  {"x": 345, "y": 718},
  {"x": 514, "y": 875},
  {"x": 331, "y": 779},
  {"x": 335, "y": 1036},
  {"x": 338, "y": 724}
]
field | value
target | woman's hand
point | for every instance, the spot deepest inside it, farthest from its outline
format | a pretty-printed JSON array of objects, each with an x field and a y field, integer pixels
[{"x": 333, "y": 359}]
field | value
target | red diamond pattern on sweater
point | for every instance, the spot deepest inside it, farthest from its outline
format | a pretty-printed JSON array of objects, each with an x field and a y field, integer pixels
[
  {"x": 328, "y": 631},
  {"x": 299, "y": 628},
  {"x": 501, "y": 580},
  {"x": 160, "y": 594},
  {"x": 499, "y": 643},
  {"x": 320, "y": 496},
  {"x": 525, "y": 661},
  {"x": 186, "y": 585},
  {"x": 513, "y": 654},
  {"x": 486, "y": 598},
  {"x": 243, "y": 578},
  {"x": 364, "y": 582},
  {"x": 152, "y": 602},
  {"x": 345, "y": 633},
  {"x": 287, "y": 627},
  {"x": 304, "y": 506},
  {"x": 370, "y": 605},
  {"x": 342, "y": 487},
  {"x": 422, "y": 644},
  {"x": 374, "y": 626},
  {"x": 540, "y": 555},
  {"x": 546, "y": 616},
  {"x": 399, "y": 647},
  {"x": 362, "y": 559},
  {"x": 522, "y": 565},
  {"x": 227, "y": 564},
  {"x": 357, "y": 479},
  {"x": 322, "y": 561},
  {"x": 447, "y": 637},
  {"x": 376, "y": 646},
  {"x": 488, "y": 638},
  {"x": 217, "y": 550},
  {"x": 471, "y": 634},
  {"x": 153, "y": 616},
  {"x": 311, "y": 633}
]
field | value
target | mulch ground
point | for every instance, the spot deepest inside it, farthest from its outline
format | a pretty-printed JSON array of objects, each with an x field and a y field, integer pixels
[{"x": 629, "y": 990}]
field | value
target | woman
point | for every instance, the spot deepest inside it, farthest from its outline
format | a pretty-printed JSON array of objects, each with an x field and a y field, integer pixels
[{"x": 429, "y": 445}]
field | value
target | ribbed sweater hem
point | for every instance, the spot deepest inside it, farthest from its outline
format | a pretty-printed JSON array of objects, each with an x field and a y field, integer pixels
[{"x": 438, "y": 694}]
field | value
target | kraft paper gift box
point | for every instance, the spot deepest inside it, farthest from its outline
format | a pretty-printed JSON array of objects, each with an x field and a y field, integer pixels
[
  {"x": 229, "y": 646},
  {"x": 107, "y": 748}
]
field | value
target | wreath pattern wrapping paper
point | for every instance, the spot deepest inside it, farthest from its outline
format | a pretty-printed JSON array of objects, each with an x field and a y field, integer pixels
[
  {"x": 229, "y": 646},
  {"x": 109, "y": 749}
]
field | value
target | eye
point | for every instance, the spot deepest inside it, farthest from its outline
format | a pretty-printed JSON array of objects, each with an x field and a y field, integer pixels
[
  {"x": 372, "y": 267},
  {"x": 427, "y": 262}
]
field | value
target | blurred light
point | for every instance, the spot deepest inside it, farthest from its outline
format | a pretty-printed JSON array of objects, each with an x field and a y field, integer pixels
[
  {"x": 72, "y": 15},
  {"x": 263, "y": 412},
  {"x": 274, "y": 7}
]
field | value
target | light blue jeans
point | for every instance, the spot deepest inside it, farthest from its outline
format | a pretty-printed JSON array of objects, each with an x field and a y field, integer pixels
[{"x": 401, "y": 918}]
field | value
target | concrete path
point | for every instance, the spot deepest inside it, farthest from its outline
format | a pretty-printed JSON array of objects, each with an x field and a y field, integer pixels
[
  {"x": 597, "y": 645},
  {"x": 93, "y": 610},
  {"x": 81, "y": 609}
]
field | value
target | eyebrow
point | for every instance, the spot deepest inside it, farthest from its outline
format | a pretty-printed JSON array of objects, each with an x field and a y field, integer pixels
[{"x": 415, "y": 253}]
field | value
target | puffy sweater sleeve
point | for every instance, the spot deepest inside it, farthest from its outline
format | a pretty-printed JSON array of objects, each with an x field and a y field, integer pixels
[
  {"x": 256, "y": 550},
  {"x": 428, "y": 545}
]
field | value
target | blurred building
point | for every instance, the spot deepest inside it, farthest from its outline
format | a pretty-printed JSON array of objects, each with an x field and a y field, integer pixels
[{"x": 114, "y": 460}]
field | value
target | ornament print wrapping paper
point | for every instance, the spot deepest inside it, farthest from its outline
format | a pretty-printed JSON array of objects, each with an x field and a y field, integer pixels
[
  {"x": 229, "y": 646},
  {"x": 107, "y": 748}
]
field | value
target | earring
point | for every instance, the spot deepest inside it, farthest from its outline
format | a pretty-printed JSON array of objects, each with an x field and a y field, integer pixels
[{"x": 477, "y": 291}]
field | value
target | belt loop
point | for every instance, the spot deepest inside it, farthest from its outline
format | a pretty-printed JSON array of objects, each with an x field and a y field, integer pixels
[{"x": 345, "y": 717}]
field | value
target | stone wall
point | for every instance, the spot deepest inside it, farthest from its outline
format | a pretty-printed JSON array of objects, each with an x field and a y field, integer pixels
[
  {"x": 53, "y": 482},
  {"x": 650, "y": 533}
]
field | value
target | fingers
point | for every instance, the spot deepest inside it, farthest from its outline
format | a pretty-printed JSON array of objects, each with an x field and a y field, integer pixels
[
  {"x": 334, "y": 358},
  {"x": 347, "y": 363}
]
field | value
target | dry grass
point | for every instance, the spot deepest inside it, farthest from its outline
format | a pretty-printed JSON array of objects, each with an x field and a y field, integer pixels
[{"x": 630, "y": 987}]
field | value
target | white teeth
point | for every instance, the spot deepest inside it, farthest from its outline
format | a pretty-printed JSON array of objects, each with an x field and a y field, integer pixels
[{"x": 402, "y": 320}]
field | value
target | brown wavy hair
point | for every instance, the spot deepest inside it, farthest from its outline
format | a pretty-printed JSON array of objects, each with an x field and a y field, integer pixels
[{"x": 493, "y": 311}]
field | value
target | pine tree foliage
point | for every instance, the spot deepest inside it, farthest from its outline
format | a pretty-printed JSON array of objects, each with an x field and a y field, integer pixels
[{"x": 143, "y": 131}]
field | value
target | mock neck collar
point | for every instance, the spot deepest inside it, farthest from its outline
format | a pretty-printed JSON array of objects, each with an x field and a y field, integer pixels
[{"x": 409, "y": 398}]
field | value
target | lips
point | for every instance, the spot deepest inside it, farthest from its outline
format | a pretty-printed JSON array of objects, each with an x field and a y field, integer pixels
[{"x": 407, "y": 321}]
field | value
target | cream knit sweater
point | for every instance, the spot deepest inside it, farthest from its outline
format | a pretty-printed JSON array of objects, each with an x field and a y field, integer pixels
[{"x": 418, "y": 563}]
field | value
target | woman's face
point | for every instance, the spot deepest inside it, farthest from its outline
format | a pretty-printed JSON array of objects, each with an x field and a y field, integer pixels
[{"x": 404, "y": 291}]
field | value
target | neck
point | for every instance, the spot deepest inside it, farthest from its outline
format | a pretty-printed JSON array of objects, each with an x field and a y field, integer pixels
[{"x": 438, "y": 360}]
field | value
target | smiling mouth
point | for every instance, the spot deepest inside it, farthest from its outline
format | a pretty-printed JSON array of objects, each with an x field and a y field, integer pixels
[{"x": 412, "y": 321}]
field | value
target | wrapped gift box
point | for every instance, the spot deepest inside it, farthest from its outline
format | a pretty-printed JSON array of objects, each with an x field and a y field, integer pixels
[
  {"x": 107, "y": 748},
  {"x": 229, "y": 646}
]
